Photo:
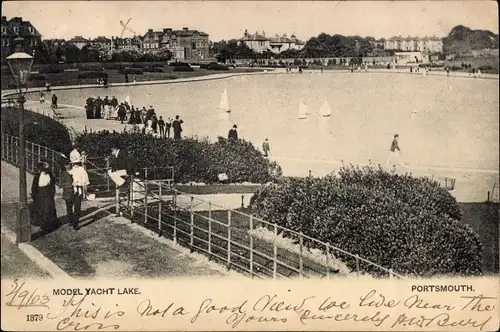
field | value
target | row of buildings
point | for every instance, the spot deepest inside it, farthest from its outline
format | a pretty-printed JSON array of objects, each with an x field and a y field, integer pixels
[
  {"x": 192, "y": 45},
  {"x": 185, "y": 44},
  {"x": 259, "y": 43}
]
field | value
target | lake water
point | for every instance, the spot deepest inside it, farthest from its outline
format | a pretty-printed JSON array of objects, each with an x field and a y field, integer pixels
[{"x": 443, "y": 122}]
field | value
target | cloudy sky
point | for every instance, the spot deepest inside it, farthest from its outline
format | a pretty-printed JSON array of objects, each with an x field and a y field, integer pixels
[{"x": 226, "y": 20}]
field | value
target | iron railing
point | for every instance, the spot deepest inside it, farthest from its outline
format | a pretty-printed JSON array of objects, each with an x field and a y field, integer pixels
[{"x": 234, "y": 238}]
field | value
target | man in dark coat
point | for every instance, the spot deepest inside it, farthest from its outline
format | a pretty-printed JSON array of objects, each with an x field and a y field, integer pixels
[
  {"x": 161, "y": 124},
  {"x": 54, "y": 101},
  {"x": 150, "y": 113},
  {"x": 120, "y": 165},
  {"x": 89, "y": 108},
  {"x": 98, "y": 108},
  {"x": 122, "y": 112},
  {"x": 177, "y": 125},
  {"x": 233, "y": 134}
]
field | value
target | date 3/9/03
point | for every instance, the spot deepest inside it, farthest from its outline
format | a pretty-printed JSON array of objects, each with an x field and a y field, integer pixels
[{"x": 34, "y": 317}]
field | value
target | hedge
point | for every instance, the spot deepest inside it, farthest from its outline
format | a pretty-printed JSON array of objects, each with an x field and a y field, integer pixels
[
  {"x": 179, "y": 64},
  {"x": 185, "y": 69},
  {"x": 216, "y": 66},
  {"x": 407, "y": 224},
  {"x": 193, "y": 160},
  {"x": 130, "y": 71},
  {"x": 51, "y": 70},
  {"x": 153, "y": 69},
  {"x": 93, "y": 74},
  {"x": 39, "y": 129},
  {"x": 37, "y": 77}
]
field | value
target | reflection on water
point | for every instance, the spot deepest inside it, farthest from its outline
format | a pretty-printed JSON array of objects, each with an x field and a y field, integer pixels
[{"x": 442, "y": 121}]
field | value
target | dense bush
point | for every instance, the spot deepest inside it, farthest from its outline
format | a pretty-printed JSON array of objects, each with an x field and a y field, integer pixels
[
  {"x": 51, "y": 70},
  {"x": 406, "y": 224},
  {"x": 193, "y": 160},
  {"x": 93, "y": 74},
  {"x": 39, "y": 129},
  {"x": 130, "y": 71}
]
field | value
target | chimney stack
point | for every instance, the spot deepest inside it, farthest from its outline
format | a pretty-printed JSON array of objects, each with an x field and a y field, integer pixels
[
  {"x": 150, "y": 30},
  {"x": 185, "y": 29}
]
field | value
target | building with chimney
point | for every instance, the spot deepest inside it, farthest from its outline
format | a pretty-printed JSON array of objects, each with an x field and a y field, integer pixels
[
  {"x": 102, "y": 42},
  {"x": 79, "y": 42},
  {"x": 260, "y": 43},
  {"x": 185, "y": 44},
  {"x": 14, "y": 28},
  {"x": 127, "y": 43},
  {"x": 415, "y": 44}
]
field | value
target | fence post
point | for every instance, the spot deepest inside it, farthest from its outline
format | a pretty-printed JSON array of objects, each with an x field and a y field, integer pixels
[
  {"x": 357, "y": 265},
  {"x": 175, "y": 216},
  {"x": 117, "y": 201},
  {"x": 191, "y": 224},
  {"x": 132, "y": 196},
  {"x": 275, "y": 251},
  {"x": 251, "y": 245},
  {"x": 228, "y": 239},
  {"x": 39, "y": 153},
  {"x": 327, "y": 260},
  {"x": 159, "y": 212},
  {"x": 107, "y": 176},
  {"x": 3, "y": 146},
  {"x": 209, "y": 229},
  {"x": 146, "y": 193},
  {"x": 33, "y": 156},
  {"x": 301, "y": 257}
]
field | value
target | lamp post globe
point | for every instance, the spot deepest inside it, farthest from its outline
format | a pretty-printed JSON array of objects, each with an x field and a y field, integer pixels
[{"x": 20, "y": 65}]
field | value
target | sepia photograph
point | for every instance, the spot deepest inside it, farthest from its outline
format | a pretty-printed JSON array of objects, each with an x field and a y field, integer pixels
[{"x": 227, "y": 154}]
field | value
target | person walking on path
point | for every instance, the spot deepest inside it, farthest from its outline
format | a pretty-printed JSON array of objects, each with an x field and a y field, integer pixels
[
  {"x": 106, "y": 103},
  {"x": 119, "y": 162},
  {"x": 54, "y": 101},
  {"x": 177, "y": 125},
  {"x": 161, "y": 125},
  {"x": 233, "y": 134},
  {"x": 42, "y": 97},
  {"x": 395, "y": 152},
  {"x": 266, "y": 148},
  {"x": 80, "y": 182},
  {"x": 43, "y": 191}
]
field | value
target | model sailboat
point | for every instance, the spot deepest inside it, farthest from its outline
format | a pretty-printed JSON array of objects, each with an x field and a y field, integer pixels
[
  {"x": 303, "y": 111},
  {"x": 127, "y": 100},
  {"x": 325, "y": 110},
  {"x": 224, "y": 102}
]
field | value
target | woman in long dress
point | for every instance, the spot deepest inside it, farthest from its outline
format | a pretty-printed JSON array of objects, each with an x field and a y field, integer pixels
[{"x": 43, "y": 191}]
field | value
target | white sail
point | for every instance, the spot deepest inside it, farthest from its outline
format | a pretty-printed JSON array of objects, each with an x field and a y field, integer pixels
[
  {"x": 325, "y": 110},
  {"x": 127, "y": 99},
  {"x": 224, "y": 102},
  {"x": 303, "y": 111}
]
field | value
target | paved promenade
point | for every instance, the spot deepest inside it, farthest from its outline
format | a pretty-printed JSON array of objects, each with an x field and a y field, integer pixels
[{"x": 105, "y": 246}]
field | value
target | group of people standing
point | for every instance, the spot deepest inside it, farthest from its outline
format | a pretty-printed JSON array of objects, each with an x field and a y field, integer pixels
[{"x": 147, "y": 119}]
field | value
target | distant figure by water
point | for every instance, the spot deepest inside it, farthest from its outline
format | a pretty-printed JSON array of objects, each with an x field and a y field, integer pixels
[{"x": 233, "y": 133}]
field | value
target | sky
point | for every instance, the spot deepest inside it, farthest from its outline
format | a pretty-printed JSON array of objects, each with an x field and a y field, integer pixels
[{"x": 229, "y": 19}]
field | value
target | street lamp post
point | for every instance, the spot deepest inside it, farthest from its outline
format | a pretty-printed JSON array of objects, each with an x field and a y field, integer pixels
[{"x": 20, "y": 65}]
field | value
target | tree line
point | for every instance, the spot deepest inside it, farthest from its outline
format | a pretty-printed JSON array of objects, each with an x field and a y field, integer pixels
[{"x": 51, "y": 52}]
